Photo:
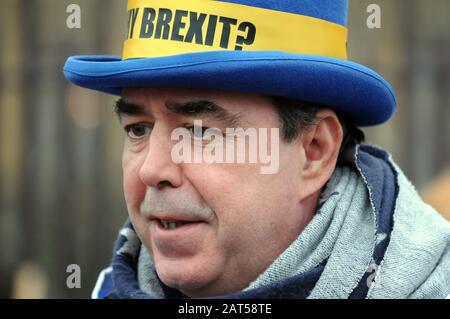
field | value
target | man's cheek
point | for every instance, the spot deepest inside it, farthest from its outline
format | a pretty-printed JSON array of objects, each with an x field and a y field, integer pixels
[{"x": 134, "y": 189}]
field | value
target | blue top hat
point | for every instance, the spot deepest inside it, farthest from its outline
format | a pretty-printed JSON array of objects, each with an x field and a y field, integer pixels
[{"x": 289, "y": 48}]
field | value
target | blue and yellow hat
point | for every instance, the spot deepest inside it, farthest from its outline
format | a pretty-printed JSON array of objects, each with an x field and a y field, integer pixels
[{"x": 289, "y": 48}]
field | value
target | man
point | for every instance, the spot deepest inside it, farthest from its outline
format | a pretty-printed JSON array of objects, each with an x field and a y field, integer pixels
[{"x": 323, "y": 216}]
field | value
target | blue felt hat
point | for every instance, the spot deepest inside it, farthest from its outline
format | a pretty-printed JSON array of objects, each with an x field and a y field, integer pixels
[{"x": 289, "y": 48}]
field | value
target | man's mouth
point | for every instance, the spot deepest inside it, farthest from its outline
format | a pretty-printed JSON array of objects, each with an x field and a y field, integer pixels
[
  {"x": 176, "y": 238},
  {"x": 171, "y": 224}
]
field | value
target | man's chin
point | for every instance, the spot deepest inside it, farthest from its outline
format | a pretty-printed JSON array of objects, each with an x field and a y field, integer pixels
[
  {"x": 190, "y": 280},
  {"x": 191, "y": 287}
]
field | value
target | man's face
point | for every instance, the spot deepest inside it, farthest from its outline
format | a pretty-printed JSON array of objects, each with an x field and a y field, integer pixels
[{"x": 235, "y": 220}]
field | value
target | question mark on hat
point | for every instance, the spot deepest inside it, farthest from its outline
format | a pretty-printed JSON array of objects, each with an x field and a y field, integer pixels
[{"x": 250, "y": 29}]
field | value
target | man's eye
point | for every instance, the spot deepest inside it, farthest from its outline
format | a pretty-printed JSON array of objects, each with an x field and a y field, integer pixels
[{"x": 137, "y": 131}]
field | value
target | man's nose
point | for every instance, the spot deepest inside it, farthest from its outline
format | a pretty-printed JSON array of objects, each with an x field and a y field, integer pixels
[{"x": 158, "y": 169}]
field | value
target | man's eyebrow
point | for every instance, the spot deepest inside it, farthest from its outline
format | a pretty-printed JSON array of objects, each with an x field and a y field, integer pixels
[
  {"x": 123, "y": 108},
  {"x": 205, "y": 108},
  {"x": 196, "y": 108}
]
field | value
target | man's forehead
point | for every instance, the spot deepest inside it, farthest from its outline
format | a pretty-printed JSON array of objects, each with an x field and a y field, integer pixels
[
  {"x": 220, "y": 104},
  {"x": 226, "y": 107}
]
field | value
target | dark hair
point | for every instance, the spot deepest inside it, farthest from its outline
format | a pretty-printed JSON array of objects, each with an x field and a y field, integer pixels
[{"x": 295, "y": 115}]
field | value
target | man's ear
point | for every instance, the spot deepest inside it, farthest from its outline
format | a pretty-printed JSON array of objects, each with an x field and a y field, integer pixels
[{"x": 321, "y": 143}]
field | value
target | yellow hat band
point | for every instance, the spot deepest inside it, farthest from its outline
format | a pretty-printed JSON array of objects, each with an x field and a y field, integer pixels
[{"x": 159, "y": 28}]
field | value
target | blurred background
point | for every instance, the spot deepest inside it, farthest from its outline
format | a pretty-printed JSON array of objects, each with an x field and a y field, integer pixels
[{"x": 61, "y": 199}]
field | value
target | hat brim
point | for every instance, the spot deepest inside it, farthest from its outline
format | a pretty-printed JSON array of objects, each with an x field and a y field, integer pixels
[{"x": 342, "y": 85}]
